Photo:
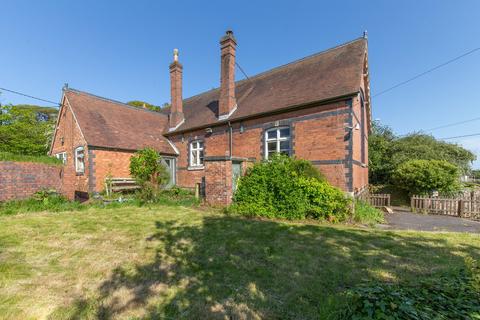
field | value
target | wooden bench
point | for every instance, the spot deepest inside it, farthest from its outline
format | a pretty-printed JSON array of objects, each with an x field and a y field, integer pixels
[{"x": 120, "y": 184}]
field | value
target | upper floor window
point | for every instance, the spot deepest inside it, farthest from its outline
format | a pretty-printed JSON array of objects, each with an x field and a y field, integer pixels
[
  {"x": 62, "y": 156},
  {"x": 277, "y": 140},
  {"x": 80, "y": 160},
  {"x": 196, "y": 154}
]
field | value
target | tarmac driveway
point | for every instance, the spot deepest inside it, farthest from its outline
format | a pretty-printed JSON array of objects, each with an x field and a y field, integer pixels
[{"x": 403, "y": 220}]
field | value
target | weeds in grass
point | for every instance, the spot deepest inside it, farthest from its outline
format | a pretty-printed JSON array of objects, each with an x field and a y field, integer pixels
[{"x": 366, "y": 214}]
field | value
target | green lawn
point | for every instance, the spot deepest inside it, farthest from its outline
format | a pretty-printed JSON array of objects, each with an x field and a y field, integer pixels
[{"x": 176, "y": 262}]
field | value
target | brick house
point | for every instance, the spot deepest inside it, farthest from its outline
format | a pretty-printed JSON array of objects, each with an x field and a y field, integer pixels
[{"x": 316, "y": 108}]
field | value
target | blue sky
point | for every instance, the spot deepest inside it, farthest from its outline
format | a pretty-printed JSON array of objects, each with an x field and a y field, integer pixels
[{"x": 121, "y": 50}]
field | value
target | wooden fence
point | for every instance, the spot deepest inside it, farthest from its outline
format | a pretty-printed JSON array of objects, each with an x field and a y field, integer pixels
[
  {"x": 374, "y": 199},
  {"x": 458, "y": 207}
]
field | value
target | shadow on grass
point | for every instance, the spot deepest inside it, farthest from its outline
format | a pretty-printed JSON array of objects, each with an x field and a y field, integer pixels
[{"x": 234, "y": 268}]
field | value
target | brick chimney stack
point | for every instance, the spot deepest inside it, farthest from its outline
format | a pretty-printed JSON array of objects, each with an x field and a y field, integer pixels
[
  {"x": 176, "y": 110},
  {"x": 227, "y": 103}
]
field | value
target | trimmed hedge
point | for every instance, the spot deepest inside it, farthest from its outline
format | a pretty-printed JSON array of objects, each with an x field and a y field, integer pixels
[{"x": 288, "y": 188}]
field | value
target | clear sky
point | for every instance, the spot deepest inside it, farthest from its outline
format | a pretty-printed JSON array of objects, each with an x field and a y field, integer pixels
[{"x": 122, "y": 49}]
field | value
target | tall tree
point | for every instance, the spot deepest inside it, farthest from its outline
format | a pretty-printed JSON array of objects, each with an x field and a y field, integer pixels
[{"x": 23, "y": 131}]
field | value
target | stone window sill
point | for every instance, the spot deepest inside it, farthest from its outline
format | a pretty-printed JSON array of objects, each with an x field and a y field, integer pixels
[{"x": 195, "y": 168}]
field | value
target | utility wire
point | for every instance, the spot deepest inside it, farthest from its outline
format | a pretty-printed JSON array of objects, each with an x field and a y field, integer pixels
[
  {"x": 426, "y": 72},
  {"x": 244, "y": 73},
  {"x": 453, "y": 124},
  {"x": 464, "y": 136},
  {"x": 29, "y": 96}
]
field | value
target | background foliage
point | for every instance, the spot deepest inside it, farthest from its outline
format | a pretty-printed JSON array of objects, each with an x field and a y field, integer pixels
[
  {"x": 424, "y": 176},
  {"x": 26, "y": 129},
  {"x": 388, "y": 151},
  {"x": 140, "y": 104}
]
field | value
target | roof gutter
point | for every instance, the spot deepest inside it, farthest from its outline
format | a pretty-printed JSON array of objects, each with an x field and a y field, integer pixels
[{"x": 259, "y": 115}]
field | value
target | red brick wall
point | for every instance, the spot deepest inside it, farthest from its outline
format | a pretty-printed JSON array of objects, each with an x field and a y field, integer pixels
[
  {"x": 67, "y": 138},
  {"x": 20, "y": 180},
  {"x": 319, "y": 134},
  {"x": 108, "y": 162},
  {"x": 218, "y": 182}
]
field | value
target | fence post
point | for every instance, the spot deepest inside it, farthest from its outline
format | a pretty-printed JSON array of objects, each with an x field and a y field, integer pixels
[
  {"x": 412, "y": 207},
  {"x": 460, "y": 207}
]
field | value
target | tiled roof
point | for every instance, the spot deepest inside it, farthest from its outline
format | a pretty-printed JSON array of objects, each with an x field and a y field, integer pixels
[
  {"x": 112, "y": 124},
  {"x": 329, "y": 74}
]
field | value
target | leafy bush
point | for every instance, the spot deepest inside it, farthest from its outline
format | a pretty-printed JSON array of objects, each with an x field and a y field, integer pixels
[
  {"x": 424, "y": 176},
  {"x": 288, "y": 188},
  {"x": 147, "y": 170},
  {"x": 450, "y": 296},
  {"x": 365, "y": 213}
]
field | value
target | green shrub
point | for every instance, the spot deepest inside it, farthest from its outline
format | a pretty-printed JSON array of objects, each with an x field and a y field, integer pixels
[
  {"x": 288, "y": 188},
  {"x": 145, "y": 167},
  {"x": 448, "y": 296},
  {"x": 366, "y": 214},
  {"x": 425, "y": 176}
]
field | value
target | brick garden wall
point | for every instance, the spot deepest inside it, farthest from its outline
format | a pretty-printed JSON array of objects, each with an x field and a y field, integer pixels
[{"x": 20, "y": 180}]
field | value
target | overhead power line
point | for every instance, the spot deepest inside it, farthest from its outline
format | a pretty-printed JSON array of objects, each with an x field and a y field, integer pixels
[
  {"x": 244, "y": 73},
  {"x": 29, "y": 96},
  {"x": 464, "y": 136},
  {"x": 426, "y": 72},
  {"x": 453, "y": 124}
]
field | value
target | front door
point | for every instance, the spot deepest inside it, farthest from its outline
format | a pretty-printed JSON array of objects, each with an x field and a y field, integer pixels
[
  {"x": 236, "y": 174},
  {"x": 169, "y": 164}
]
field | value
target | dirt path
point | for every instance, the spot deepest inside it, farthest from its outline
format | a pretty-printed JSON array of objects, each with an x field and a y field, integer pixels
[{"x": 404, "y": 220}]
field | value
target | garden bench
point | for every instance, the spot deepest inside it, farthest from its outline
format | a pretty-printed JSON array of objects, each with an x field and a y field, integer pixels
[{"x": 120, "y": 184}]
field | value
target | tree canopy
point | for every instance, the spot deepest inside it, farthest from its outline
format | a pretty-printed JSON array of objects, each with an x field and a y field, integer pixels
[
  {"x": 141, "y": 104},
  {"x": 26, "y": 129},
  {"x": 388, "y": 151}
]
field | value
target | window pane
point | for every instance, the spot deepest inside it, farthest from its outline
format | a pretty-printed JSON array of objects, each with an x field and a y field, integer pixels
[
  {"x": 272, "y": 134},
  {"x": 194, "y": 158},
  {"x": 271, "y": 146},
  {"x": 201, "y": 157},
  {"x": 285, "y": 133},
  {"x": 284, "y": 145},
  {"x": 200, "y": 144}
]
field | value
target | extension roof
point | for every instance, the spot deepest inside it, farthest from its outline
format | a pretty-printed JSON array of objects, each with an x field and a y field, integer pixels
[{"x": 111, "y": 124}]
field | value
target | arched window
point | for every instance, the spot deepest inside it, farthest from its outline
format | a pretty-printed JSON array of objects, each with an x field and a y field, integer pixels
[{"x": 277, "y": 140}]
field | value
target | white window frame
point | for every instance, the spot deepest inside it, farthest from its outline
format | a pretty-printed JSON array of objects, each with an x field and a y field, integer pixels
[
  {"x": 277, "y": 139},
  {"x": 79, "y": 165},
  {"x": 196, "y": 148},
  {"x": 62, "y": 156}
]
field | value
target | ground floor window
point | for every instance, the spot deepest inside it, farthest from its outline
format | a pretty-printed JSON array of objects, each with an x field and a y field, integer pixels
[
  {"x": 80, "y": 160},
  {"x": 169, "y": 164},
  {"x": 196, "y": 154},
  {"x": 277, "y": 140},
  {"x": 62, "y": 156}
]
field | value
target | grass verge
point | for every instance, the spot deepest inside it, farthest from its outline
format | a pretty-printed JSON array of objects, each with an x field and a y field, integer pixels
[
  {"x": 173, "y": 262},
  {"x": 6, "y": 156}
]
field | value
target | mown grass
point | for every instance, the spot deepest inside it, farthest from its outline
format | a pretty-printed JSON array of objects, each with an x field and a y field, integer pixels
[
  {"x": 173, "y": 262},
  {"x": 6, "y": 156}
]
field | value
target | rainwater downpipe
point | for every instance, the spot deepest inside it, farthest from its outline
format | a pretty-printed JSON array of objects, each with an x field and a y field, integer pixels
[{"x": 230, "y": 138}]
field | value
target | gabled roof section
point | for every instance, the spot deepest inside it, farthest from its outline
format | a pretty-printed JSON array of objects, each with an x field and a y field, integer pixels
[
  {"x": 111, "y": 124},
  {"x": 326, "y": 75}
]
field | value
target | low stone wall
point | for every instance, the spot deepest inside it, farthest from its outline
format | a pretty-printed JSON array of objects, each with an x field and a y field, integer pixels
[{"x": 20, "y": 180}]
